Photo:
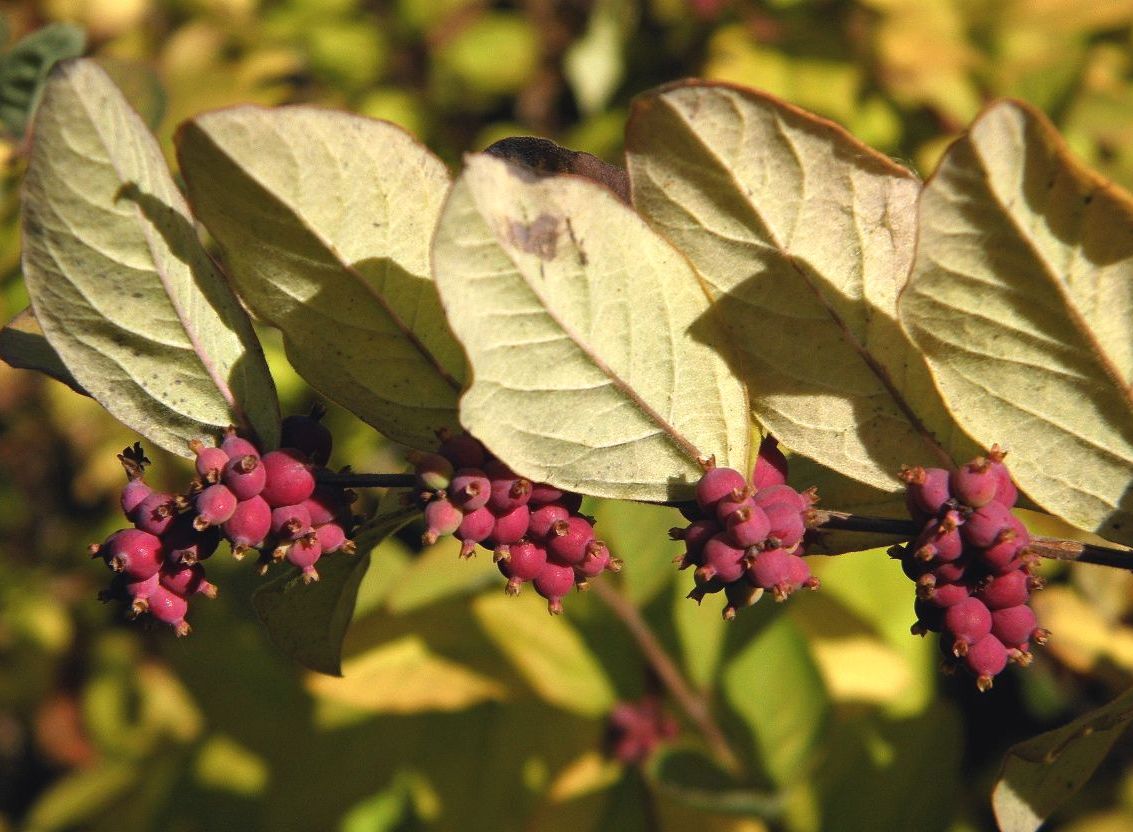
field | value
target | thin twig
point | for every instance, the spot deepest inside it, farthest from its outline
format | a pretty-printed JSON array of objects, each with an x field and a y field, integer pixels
[{"x": 666, "y": 669}]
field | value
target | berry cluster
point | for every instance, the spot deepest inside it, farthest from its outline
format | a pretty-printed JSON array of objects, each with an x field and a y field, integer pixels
[
  {"x": 971, "y": 566},
  {"x": 745, "y": 538},
  {"x": 533, "y": 529},
  {"x": 269, "y": 502},
  {"x": 635, "y": 729}
]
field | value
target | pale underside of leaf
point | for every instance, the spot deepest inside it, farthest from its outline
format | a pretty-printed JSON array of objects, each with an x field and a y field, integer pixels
[
  {"x": 119, "y": 282},
  {"x": 1021, "y": 298},
  {"x": 325, "y": 220},
  {"x": 23, "y": 345},
  {"x": 805, "y": 237},
  {"x": 578, "y": 323}
]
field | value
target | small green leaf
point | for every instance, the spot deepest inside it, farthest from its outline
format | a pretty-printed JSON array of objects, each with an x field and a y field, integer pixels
[
  {"x": 692, "y": 779},
  {"x": 1021, "y": 298},
  {"x": 325, "y": 220},
  {"x": 577, "y": 319},
  {"x": 774, "y": 686},
  {"x": 23, "y": 345},
  {"x": 804, "y": 236},
  {"x": 1042, "y": 773},
  {"x": 118, "y": 279},
  {"x": 637, "y": 533},
  {"x": 701, "y": 631},
  {"x": 24, "y": 69},
  {"x": 547, "y": 651}
]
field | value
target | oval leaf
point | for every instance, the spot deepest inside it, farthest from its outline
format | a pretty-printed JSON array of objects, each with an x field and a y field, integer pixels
[
  {"x": 23, "y": 345},
  {"x": 548, "y": 652},
  {"x": 325, "y": 220},
  {"x": 24, "y": 69},
  {"x": 1021, "y": 297},
  {"x": 119, "y": 281},
  {"x": 805, "y": 236},
  {"x": 578, "y": 322}
]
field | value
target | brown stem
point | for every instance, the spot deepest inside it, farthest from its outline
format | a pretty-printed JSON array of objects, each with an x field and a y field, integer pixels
[{"x": 666, "y": 669}]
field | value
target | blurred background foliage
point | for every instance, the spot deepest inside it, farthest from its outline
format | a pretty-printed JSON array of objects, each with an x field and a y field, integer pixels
[{"x": 461, "y": 709}]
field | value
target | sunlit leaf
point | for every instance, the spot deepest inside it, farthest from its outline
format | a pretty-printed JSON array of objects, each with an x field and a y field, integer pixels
[
  {"x": 1021, "y": 297},
  {"x": 547, "y": 652},
  {"x": 1042, "y": 773},
  {"x": 578, "y": 320},
  {"x": 23, "y": 345},
  {"x": 325, "y": 220},
  {"x": 119, "y": 281},
  {"x": 804, "y": 236},
  {"x": 439, "y": 573}
]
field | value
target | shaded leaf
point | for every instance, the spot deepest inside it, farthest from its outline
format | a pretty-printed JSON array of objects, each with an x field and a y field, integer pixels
[
  {"x": 74, "y": 800},
  {"x": 24, "y": 69},
  {"x": 692, "y": 779},
  {"x": 576, "y": 318},
  {"x": 1040, "y": 774},
  {"x": 1021, "y": 298},
  {"x": 325, "y": 220},
  {"x": 638, "y": 534},
  {"x": 776, "y": 667},
  {"x": 701, "y": 631},
  {"x": 804, "y": 236},
  {"x": 439, "y": 573},
  {"x": 119, "y": 281},
  {"x": 547, "y": 652},
  {"x": 23, "y": 345}
]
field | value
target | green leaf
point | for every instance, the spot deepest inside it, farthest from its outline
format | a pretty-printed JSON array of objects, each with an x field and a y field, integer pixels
[
  {"x": 1021, "y": 298},
  {"x": 1040, "y": 774},
  {"x": 804, "y": 236},
  {"x": 24, "y": 69},
  {"x": 547, "y": 651},
  {"x": 701, "y": 631},
  {"x": 325, "y": 220},
  {"x": 119, "y": 281},
  {"x": 594, "y": 65},
  {"x": 23, "y": 345},
  {"x": 637, "y": 533},
  {"x": 577, "y": 321},
  {"x": 77, "y": 798},
  {"x": 687, "y": 776},
  {"x": 775, "y": 688},
  {"x": 308, "y": 621}
]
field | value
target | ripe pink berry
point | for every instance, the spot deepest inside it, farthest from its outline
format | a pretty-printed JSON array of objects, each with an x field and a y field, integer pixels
[
  {"x": 715, "y": 485},
  {"x": 441, "y": 518},
  {"x": 214, "y": 505},
  {"x": 309, "y": 435},
  {"x": 236, "y": 446},
  {"x": 134, "y": 494},
  {"x": 524, "y": 563},
  {"x": 974, "y": 483},
  {"x": 770, "y": 465},
  {"x": 968, "y": 622},
  {"x": 248, "y": 525},
  {"x": 1003, "y": 554},
  {"x": 568, "y": 539},
  {"x": 695, "y": 535},
  {"x": 786, "y": 524},
  {"x": 155, "y": 513},
  {"x": 1014, "y": 626},
  {"x": 470, "y": 489},
  {"x": 943, "y": 593},
  {"x": 926, "y": 490},
  {"x": 475, "y": 527},
  {"x": 305, "y": 553},
  {"x": 1006, "y": 493},
  {"x": 508, "y": 492},
  {"x": 464, "y": 451},
  {"x": 986, "y": 659},
  {"x": 773, "y": 494},
  {"x": 596, "y": 560},
  {"x": 798, "y": 573},
  {"x": 137, "y": 553},
  {"x": 543, "y": 518},
  {"x": 210, "y": 461},
  {"x": 332, "y": 538},
  {"x": 937, "y": 543},
  {"x": 511, "y": 527},
  {"x": 770, "y": 569},
  {"x": 138, "y": 593},
  {"x": 328, "y": 504},
  {"x": 748, "y": 526},
  {"x": 553, "y": 582},
  {"x": 169, "y": 608},
  {"x": 434, "y": 472},
  {"x": 983, "y": 526},
  {"x": 290, "y": 477},
  {"x": 245, "y": 476},
  {"x": 722, "y": 560},
  {"x": 731, "y": 503},
  {"x": 290, "y": 522},
  {"x": 1003, "y": 591},
  {"x": 186, "y": 580}
]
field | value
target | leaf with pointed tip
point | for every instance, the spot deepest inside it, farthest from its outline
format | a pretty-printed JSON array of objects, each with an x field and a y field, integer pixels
[
  {"x": 118, "y": 279},
  {"x": 1021, "y": 297},
  {"x": 24, "y": 69},
  {"x": 325, "y": 220},
  {"x": 577, "y": 319},
  {"x": 804, "y": 236},
  {"x": 23, "y": 345}
]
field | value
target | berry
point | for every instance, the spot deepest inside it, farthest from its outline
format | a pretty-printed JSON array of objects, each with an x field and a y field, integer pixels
[
  {"x": 770, "y": 465},
  {"x": 1005, "y": 492},
  {"x": 798, "y": 573},
  {"x": 787, "y": 527},
  {"x": 511, "y": 527},
  {"x": 1003, "y": 554},
  {"x": 568, "y": 539},
  {"x": 134, "y": 493},
  {"x": 774, "y": 494},
  {"x": 508, "y": 492},
  {"x": 596, "y": 560},
  {"x": 524, "y": 563},
  {"x": 434, "y": 472},
  {"x": 748, "y": 526},
  {"x": 328, "y": 505},
  {"x": 543, "y": 518},
  {"x": 1014, "y": 626},
  {"x": 982, "y": 529},
  {"x": 210, "y": 461},
  {"x": 770, "y": 569},
  {"x": 542, "y": 493},
  {"x": 289, "y": 477},
  {"x": 926, "y": 490},
  {"x": 186, "y": 580},
  {"x": 722, "y": 560},
  {"x": 236, "y": 446},
  {"x": 214, "y": 505},
  {"x": 184, "y": 543},
  {"x": 441, "y": 518},
  {"x": 475, "y": 527},
  {"x": 290, "y": 522},
  {"x": 715, "y": 485},
  {"x": 939, "y": 543},
  {"x": 248, "y": 525},
  {"x": 553, "y": 582},
  {"x": 1003, "y": 591},
  {"x": 309, "y": 435},
  {"x": 740, "y": 594},
  {"x": 968, "y": 622},
  {"x": 986, "y": 659},
  {"x": 305, "y": 553},
  {"x": 332, "y": 538},
  {"x": 470, "y": 489},
  {"x": 169, "y": 608},
  {"x": 974, "y": 483},
  {"x": 137, "y": 553},
  {"x": 731, "y": 503},
  {"x": 155, "y": 513},
  {"x": 694, "y": 537},
  {"x": 464, "y": 451},
  {"x": 245, "y": 476},
  {"x": 943, "y": 593}
]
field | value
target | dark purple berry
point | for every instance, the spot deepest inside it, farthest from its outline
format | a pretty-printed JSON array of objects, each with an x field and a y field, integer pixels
[
  {"x": 740, "y": 594},
  {"x": 249, "y": 525},
  {"x": 214, "y": 505},
  {"x": 968, "y": 622},
  {"x": 309, "y": 435},
  {"x": 568, "y": 539},
  {"x": 137, "y": 553},
  {"x": 441, "y": 518},
  {"x": 184, "y": 543},
  {"x": 290, "y": 477},
  {"x": 553, "y": 582},
  {"x": 770, "y": 465},
  {"x": 715, "y": 485},
  {"x": 245, "y": 476},
  {"x": 986, "y": 659}
]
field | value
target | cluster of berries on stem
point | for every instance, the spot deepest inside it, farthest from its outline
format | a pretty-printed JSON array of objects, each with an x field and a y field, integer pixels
[
  {"x": 746, "y": 538},
  {"x": 268, "y": 502},
  {"x": 534, "y": 530},
  {"x": 635, "y": 729},
  {"x": 972, "y": 567}
]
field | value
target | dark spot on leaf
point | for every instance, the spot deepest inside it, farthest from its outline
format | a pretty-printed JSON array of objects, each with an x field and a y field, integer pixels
[
  {"x": 1087, "y": 199},
  {"x": 540, "y": 237},
  {"x": 135, "y": 294}
]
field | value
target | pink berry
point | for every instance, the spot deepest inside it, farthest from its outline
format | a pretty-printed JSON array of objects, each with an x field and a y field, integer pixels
[
  {"x": 695, "y": 535},
  {"x": 568, "y": 539},
  {"x": 786, "y": 525},
  {"x": 328, "y": 504},
  {"x": 1003, "y": 591},
  {"x": 553, "y": 582},
  {"x": 214, "y": 505},
  {"x": 210, "y": 461},
  {"x": 944, "y": 593},
  {"x": 309, "y": 435},
  {"x": 1003, "y": 554},
  {"x": 464, "y": 451},
  {"x": 926, "y": 490},
  {"x": 475, "y": 527},
  {"x": 543, "y": 518},
  {"x": 984, "y": 525},
  {"x": 723, "y": 560},
  {"x": 773, "y": 494},
  {"x": 715, "y": 485},
  {"x": 332, "y": 538},
  {"x": 249, "y": 524},
  {"x": 470, "y": 489},
  {"x": 134, "y": 494},
  {"x": 155, "y": 513},
  {"x": 986, "y": 659},
  {"x": 1014, "y": 626},
  {"x": 968, "y": 622},
  {"x": 731, "y": 503},
  {"x": 511, "y": 527},
  {"x": 748, "y": 526},
  {"x": 236, "y": 446},
  {"x": 596, "y": 560},
  {"x": 441, "y": 518},
  {"x": 290, "y": 522},
  {"x": 1005, "y": 493},
  {"x": 938, "y": 543},
  {"x": 186, "y": 580},
  {"x": 245, "y": 476},
  {"x": 305, "y": 553},
  {"x": 508, "y": 491},
  {"x": 770, "y": 569},
  {"x": 798, "y": 573},
  {"x": 137, "y": 553},
  {"x": 524, "y": 563},
  {"x": 770, "y": 465},
  {"x": 169, "y": 608},
  {"x": 290, "y": 479},
  {"x": 974, "y": 483}
]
